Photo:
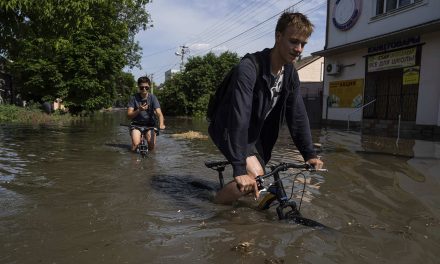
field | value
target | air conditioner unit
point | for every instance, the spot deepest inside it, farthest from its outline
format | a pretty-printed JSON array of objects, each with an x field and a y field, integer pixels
[{"x": 332, "y": 69}]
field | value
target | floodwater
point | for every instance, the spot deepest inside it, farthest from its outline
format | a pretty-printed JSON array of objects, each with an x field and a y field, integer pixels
[{"x": 75, "y": 194}]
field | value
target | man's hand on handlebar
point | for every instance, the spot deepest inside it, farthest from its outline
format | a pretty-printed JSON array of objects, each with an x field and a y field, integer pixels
[
  {"x": 247, "y": 184},
  {"x": 316, "y": 163}
]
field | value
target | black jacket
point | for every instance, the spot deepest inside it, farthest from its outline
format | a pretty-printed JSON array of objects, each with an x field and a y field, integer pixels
[{"x": 240, "y": 121}]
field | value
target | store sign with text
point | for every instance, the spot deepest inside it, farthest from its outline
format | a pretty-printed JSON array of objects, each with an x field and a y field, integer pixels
[
  {"x": 392, "y": 60},
  {"x": 411, "y": 75},
  {"x": 346, "y": 94}
]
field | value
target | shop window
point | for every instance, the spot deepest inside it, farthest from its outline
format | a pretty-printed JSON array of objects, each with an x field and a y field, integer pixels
[{"x": 385, "y": 6}]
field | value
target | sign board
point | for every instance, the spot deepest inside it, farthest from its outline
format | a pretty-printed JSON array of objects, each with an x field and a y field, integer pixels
[
  {"x": 392, "y": 60},
  {"x": 411, "y": 75},
  {"x": 346, "y": 94},
  {"x": 346, "y": 13}
]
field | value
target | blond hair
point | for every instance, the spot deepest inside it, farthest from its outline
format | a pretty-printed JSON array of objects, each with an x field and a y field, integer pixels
[{"x": 301, "y": 23}]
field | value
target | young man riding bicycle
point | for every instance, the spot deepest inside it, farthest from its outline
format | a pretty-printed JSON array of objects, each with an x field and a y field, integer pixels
[
  {"x": 247, "y": 123},
  {"x": 143, "y": 108}
]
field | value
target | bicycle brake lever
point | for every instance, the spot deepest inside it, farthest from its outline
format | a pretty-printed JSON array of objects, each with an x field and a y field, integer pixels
[
  {"x": 321, "y": 170},
  {"x": 262, "y": 190},
  {"x": 260, "y": 181}
]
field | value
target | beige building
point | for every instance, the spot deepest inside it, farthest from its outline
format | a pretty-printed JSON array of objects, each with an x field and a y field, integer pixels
[
  {"x": 381, "y": 64},
  {"x": 310, "y": 70}
]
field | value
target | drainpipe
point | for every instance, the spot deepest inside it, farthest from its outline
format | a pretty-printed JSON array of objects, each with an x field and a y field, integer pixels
[{"x": 398, "y": 131}]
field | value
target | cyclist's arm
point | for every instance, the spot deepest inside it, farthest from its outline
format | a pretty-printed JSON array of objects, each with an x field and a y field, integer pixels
[
  {"x": 132, "y": 110},
  {"x": 243, "y": 83},
  {"x": 161, "y": 119},
  {"x": 157, "y": 111},
  {"x": 131, "y": 113},
  {"x": 298, "y": 122}
]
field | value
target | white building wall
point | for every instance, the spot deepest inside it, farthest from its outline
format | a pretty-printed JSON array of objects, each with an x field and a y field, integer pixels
[
  {"x": 428, "y": 102},
  {"x": 369, "y": 25},
  {"x": 353, "y": 67},
  {"x": 312, "y": 72}
]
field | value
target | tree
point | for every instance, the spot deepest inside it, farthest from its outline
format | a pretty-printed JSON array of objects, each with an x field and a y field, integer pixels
[
  {"x": 72, "y": 49},
  {"x": 125, "y": 88},
  {"x": 188, "y": 93},
  {"x": 172, "y": 98}
]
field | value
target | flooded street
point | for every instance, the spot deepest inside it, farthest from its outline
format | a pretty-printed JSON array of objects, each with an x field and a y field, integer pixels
[{"x": 75, "y": 194}]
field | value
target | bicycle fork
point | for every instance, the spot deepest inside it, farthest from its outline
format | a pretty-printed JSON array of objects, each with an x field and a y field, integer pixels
[
  {"x": 142, "y": 147},
  {"x": 284, "y": 203}
]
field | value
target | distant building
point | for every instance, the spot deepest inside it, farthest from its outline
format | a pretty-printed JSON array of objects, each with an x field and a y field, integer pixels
[
  {"x": 169, "y": 74},
  {"x": 384, "y": 53},
  {"x": 310, "y": 70}
]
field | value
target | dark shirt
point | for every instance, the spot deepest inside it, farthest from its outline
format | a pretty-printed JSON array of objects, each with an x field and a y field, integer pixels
[
  {"x": 148, "y": 116},
  {"x": 241, "y": 125}
]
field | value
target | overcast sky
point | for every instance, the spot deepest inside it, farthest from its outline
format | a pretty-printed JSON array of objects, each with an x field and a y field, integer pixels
[{"x": 240, "y": 26}]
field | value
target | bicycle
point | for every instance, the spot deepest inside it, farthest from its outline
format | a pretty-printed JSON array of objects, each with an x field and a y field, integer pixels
[
  {"x": 276, "y": 194},
  {"x": 142, "y": 148}
]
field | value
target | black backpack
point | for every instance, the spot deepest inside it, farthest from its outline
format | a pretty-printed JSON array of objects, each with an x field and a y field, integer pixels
[{"x": 217, "y": 98}]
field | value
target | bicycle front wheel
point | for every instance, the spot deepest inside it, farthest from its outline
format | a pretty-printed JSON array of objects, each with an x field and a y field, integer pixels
[{"x": 267, "y": 200}]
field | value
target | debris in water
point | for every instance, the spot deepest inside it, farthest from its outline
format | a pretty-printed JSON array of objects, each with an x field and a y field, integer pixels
[{"x": 190, "y": 135}]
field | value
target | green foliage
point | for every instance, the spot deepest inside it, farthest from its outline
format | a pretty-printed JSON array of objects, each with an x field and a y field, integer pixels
[
  {"x": 188, "y": 93},
  {"x": 125, "y": 88},
  {"x": 71, "y": 49},
  {"x": 31, "y": 114},
  {"x": 172, "y": 98}
]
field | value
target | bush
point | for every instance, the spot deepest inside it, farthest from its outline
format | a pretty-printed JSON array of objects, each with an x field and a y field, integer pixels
[{"x": 32, "y": 114}]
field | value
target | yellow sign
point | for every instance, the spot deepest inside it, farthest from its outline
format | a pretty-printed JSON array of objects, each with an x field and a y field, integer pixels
[
  {"x": 411, "y": 75},
  {"x": 347, "y": 94},
  {"x": 392, "y": 60}
]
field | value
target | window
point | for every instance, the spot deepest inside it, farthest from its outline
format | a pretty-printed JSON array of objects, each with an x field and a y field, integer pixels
[{"x": 385, "y": 6}]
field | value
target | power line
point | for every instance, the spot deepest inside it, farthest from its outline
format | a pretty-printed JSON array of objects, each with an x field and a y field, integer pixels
[
  {"x": 236, "y": 36},
  {"x": 243, "y": 38},
  {"x": 259, "y": 35},
  {"x": 158, "y": 52},
  {"x": 231, "y": 24}
]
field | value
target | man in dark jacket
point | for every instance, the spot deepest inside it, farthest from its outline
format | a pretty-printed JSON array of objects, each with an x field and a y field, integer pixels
[{"x": 246, "y": 125}]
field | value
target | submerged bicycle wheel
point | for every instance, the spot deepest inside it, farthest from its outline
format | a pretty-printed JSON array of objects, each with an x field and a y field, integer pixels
[
  {"x": 267, "y": 201},
  {"x": 143, "y": 149}
]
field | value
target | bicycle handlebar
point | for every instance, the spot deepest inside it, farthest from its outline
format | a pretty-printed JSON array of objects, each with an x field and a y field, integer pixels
[
  {"x": 142, "y": 128},
  {"x": 284, "y": 167}
]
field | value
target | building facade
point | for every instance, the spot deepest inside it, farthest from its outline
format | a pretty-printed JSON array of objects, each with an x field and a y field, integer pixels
[
  {"x": 381, "y": 64},
  {"x": 169, "y": 74},
  {"x": 310, "y": 71}
]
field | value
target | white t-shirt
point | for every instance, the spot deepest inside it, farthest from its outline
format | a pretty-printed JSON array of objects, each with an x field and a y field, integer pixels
[{"x": 275, "y": 89}]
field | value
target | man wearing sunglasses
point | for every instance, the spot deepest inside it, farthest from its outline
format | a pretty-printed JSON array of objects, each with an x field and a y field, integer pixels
[{"x": 143, "y": 108}]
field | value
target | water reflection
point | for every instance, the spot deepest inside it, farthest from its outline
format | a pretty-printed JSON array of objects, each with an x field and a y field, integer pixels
[{"x": 75, "y": 193}]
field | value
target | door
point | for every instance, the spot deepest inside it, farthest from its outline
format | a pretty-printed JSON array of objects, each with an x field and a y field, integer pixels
[{"x": 392, "y": 97}]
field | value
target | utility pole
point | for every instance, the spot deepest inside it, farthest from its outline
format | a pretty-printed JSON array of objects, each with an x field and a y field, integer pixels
[
  {"x": 152, "y": 84},
  {"x": 183, "y": 50}
]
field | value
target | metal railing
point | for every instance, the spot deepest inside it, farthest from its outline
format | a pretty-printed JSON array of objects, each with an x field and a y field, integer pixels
[{"x": 357, "y": 110}]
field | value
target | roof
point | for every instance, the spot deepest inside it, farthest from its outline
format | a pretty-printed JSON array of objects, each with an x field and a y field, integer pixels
[
  {"x": 305, "y": 61},
  {"x": 415, "y": 30}
]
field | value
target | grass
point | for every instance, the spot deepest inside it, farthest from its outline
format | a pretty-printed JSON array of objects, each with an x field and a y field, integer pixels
[{"x": 31, "y": 115}]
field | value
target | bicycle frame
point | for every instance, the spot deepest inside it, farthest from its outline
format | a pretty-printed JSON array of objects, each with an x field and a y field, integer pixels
[
  {"x": 275, "y": 191},
  {"x": 279, "y": 194},
  {"x": 143, "y": 146}
]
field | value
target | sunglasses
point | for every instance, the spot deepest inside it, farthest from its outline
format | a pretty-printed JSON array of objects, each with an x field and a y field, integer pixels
[{"x": 144, "y": 87}]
